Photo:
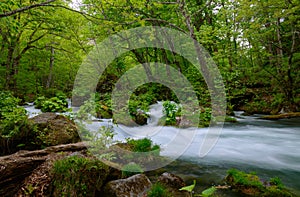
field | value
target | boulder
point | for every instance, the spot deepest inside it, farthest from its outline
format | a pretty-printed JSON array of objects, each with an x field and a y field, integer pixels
[
  {"x": 134, "y": 186},
  {"x": 173, "y": 183},
  {"x": 55, "y": 129}
]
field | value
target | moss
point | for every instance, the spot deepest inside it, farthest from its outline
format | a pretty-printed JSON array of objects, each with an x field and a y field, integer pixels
[
  {"x": 158, "y": 190},
  {"x": 78, "y": 176},
  {"x": 281, "y": 116},
  {"x": 131, "y": 169},
  {"x": 250, "y": 184},
  {"x": 230, "y": 119}
]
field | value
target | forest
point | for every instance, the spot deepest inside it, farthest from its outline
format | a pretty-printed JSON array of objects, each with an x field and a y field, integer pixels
[{"x": 45, "y": 45}]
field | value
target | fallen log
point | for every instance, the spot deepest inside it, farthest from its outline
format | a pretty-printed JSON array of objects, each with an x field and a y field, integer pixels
[{"x": 16, "y": 167}]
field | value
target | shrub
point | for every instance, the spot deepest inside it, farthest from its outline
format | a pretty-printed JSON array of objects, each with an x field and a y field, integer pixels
[
  {"x": 7, "y": 103},
  {"x": 170, "y": 110},
  {"x": 131, "y": 169},
  {"x": 99, "y": 141},
  {"x": 39, "y": 101},
  {"x": 16, "y": 130},
  {"x": 12, "y": 122},
  {"x": 158, "y": 190},
  {"x": 143, "y": 145},
  {"x": 78, "y": 176},
  {"x": 55, "y": 104}
]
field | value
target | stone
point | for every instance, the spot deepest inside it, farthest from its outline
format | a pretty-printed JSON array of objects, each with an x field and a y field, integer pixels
[
  {"x": 173, "y": 183},
  {"x": 55, "y": 129},
  {"x": 134, "y": 186}
]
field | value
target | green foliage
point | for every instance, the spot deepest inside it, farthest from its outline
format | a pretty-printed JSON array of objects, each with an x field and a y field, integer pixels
[
  {"x": 251, "y": 182},
  {"x": 55, "y": 104},
  {"x": 242, "y": 178},
  {"x": 158, "y": 190},
  {"x": 131, "y": 169},
  {"x": 276, "y": 181},
  {"x": 230, "y": 119},
  {"x": 205, "y": 115},
  {"x": 208, "y": 192},
  {"x": 38, "y": 103},
  {"x": 12, "y": 117},
  {"x": 189, "y": 188},
  {"x": 78, "y": 176},
  {"x": 7, "y": 103},
  {"x": 170, "y": 110},
  {"x": 86, "y": 110},
  {"x": 143, "y": 145},
  {"x": 16, "y": 131},
  {"x": 12, "y": 122},
  {"x": 100, "y": 141}
]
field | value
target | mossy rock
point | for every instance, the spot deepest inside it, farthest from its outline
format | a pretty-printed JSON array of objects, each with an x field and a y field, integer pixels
[
  {"x": 230, "y": 119},
  {"x": 131, "y": 120},
  {"x": 55, "y": 129},
  {"x": 104, "y": 112},
  {"x": 251, "y": 185}
]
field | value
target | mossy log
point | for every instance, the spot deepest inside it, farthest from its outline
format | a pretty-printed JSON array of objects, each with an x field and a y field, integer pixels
[
  {"x": 16, "y": 167},
  {"x": 281, "y": 116}
]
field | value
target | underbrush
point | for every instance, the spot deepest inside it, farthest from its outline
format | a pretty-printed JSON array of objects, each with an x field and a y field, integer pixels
[{"x": 78, "y": 176}]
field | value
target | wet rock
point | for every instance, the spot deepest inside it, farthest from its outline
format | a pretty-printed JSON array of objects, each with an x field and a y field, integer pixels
[
  {"x": 133, "y": 186},
  {"x": 173, "y": 183},
  {"x": 141, "y": 118},
  {"x": 55, "y": 129}
]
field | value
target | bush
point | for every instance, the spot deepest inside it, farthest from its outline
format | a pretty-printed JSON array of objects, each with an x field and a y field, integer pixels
[
  {"x": 7, "y": 103},
  {"x": 12, "y": 122},
  {"x": 158, "y": 190},
  {"x": 170, "y": 110},
  {"x": 78, "y": 176},
  {"x": 131, "y": 169},
  {"x": 58, "y": 103},
  {"x": 143, "y": 145},
  {"x": 39, "y": 102},
  {"x": 16, "y": 131},
  {"x": 12, "y": 117},
  {"x": 55, "y": 104}
]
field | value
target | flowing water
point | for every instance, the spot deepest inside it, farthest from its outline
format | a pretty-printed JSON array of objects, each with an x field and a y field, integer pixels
[{"x": 270, "y": 148}]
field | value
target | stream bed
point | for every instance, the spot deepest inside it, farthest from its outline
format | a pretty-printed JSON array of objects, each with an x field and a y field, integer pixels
[{"x": 270, "y": 148}]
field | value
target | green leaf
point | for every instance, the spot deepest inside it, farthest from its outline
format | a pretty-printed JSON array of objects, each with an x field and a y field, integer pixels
[
  {"x": 208, "y": 192},
  {"x": 189, "y": 188}
]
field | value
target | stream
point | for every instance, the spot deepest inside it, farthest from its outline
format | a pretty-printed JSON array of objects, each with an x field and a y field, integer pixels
[{"x": 270, "y": 148}]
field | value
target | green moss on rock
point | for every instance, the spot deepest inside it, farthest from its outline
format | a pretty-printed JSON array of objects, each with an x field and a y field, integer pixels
[{"x": 250, "y": 184}]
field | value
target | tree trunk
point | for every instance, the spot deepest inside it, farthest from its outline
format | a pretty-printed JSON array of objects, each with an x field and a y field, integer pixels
[{"x": 50, "y": 69}]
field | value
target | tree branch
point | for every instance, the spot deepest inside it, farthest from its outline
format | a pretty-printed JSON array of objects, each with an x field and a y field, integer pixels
[{"x": 6, "y": 14}]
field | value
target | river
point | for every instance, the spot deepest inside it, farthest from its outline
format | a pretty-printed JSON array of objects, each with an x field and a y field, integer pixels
[{"x": 270, "y": 148}]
